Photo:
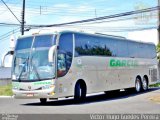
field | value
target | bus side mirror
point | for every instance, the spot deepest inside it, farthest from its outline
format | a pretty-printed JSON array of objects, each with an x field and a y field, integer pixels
[{"x": 51, "y": 53}]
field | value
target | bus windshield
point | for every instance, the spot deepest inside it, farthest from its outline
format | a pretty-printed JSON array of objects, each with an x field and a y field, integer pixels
[{"x": 31, "y": 58}]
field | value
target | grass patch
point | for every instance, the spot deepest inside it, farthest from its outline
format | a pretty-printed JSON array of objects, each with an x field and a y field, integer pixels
[
  {"x": 6, "y": 90},
  {"x": 155, "y": 85}
]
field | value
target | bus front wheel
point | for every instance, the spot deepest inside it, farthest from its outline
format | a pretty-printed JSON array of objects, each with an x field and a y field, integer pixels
[
  {"x": 80, "y": 91},
  {"x": 43, "y": 100}
]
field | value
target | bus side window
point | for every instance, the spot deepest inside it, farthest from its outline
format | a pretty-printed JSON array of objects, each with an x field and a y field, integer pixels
[
  {"x": 61, "y": 66},
  {"x": 65, "y": 53}
]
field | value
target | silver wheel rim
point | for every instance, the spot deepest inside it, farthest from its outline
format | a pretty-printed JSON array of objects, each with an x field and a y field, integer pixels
[
  {"x": 144, "y": 84},
  {"x": 138, "y": 86},
  {"x": 80, "y": 93}
]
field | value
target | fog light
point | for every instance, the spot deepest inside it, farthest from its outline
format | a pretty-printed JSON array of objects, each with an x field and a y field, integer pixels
[{"x": 52, "y": 93}]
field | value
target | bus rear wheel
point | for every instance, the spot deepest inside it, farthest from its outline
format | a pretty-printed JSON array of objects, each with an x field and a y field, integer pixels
[
  {"x": 144, "y": 84},
  {"x": 138, "y": 85},
  {"x": 43, "y": 100},
  {"x": 80, "y": 92}
]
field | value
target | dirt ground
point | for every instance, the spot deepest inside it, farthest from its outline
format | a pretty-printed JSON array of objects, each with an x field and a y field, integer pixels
[{"x": 155, "y": 98}]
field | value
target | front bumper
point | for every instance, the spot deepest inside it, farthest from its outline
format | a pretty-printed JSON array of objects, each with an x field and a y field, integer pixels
[{"x": 34, "y": 94}]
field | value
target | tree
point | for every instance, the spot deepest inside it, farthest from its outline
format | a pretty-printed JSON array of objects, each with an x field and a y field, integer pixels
[
  {"x": 158, "y": 51},
  {"x": 158, "y": 57}
]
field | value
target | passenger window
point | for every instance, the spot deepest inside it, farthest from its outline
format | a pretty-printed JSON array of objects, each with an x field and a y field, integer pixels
[{"x": 93, "y": 46}]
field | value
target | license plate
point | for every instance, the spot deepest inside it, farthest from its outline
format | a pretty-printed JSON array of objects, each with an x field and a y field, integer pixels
[{"x": 30, "y": 95}]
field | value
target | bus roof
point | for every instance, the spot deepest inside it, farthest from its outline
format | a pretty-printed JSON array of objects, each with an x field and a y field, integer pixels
[
  {"x": 85, "y": 33},
  {"x": 107, "y": 35}
]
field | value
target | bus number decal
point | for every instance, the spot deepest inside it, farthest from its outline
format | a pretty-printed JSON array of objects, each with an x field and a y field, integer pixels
[{"x": 123, "y": 63}]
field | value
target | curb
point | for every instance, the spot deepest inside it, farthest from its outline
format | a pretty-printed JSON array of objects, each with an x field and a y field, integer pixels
[{"x": 6, "y": 96}]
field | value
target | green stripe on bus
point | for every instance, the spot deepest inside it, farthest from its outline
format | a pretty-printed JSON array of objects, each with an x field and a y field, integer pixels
[{"x": 42, "y": 83}]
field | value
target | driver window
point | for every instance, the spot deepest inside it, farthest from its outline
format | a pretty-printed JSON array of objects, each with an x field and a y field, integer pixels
[
  {"x": 61, "y": 68},
  {"x": 65, "y": 53}
]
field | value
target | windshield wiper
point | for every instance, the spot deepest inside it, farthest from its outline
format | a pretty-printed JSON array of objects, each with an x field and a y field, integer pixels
[{"x": 24, "y": 65}]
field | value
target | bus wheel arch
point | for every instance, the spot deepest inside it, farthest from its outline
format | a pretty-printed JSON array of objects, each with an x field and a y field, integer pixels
[
  {"x": 145, "y": 83},
  {"x": 80, "y": 90},
  {"x": 138, "y": 84},
  {"x": 43, "y": 100}
]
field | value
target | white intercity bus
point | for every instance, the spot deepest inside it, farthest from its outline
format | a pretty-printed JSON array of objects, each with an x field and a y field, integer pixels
[{"x": 73, "y": 64}]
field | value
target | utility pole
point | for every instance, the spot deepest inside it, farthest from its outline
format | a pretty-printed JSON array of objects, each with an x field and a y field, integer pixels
[
  {"x": 158, "y": 36},
  {"x": 40, "y": 10},
  {"x": 158, "y": 21},
  {"x": 23, "y": 18},
  {"x": 95, "y": 13}
]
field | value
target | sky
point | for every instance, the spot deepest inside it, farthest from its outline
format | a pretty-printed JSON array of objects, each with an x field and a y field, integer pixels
[{"x": 61, "y": 11}]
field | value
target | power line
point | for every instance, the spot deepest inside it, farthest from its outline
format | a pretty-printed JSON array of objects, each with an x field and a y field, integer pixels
[
  {"x": 9, "y": 33},
  {"x": 7, "y": 37},
  {"x": 93, "y": 19},
  {"x": 56, "y": 11},
  {"x": 11, "y": 11},
  {"x": 102, "y": 18},
  {"x": 113, "y": 20},
  {"x": 112, "y": 28},
  {"x": 9, "y": 24}
]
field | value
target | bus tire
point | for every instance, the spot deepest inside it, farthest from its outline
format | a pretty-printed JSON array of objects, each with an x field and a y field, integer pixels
[
  {"x": 145, "y": 83},
  {"x": 80, "y": 91},
  {"x": 138, "y": 85},
  {"x": 43, "y": 100}
]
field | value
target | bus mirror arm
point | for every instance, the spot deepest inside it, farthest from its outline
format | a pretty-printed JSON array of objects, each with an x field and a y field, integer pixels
[{"x": 51, "y": 53}]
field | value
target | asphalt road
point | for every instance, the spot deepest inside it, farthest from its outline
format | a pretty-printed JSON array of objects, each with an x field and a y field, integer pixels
[{"x": 123, "y": 102}]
